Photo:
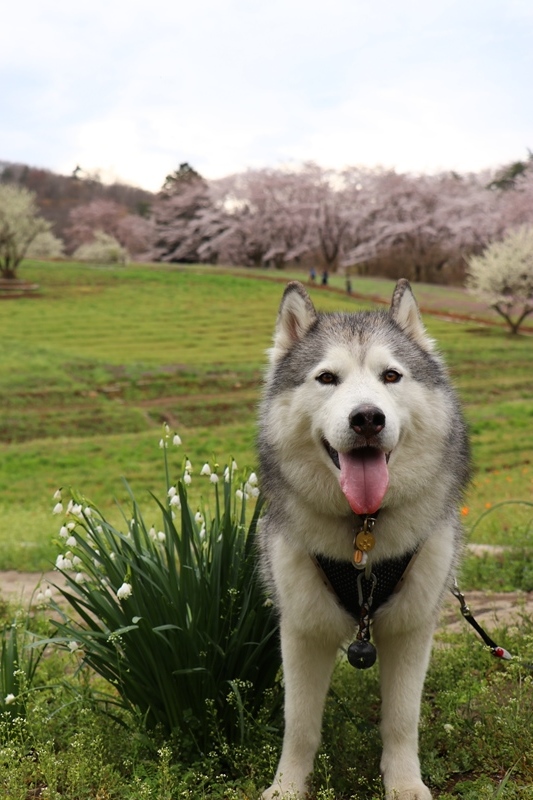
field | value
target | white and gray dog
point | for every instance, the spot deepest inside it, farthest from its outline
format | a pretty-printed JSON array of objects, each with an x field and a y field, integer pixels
[{"x": 364, "y": 457}]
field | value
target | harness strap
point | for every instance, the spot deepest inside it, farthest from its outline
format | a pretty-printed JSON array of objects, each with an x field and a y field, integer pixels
[{"x": 352, "y": 587}]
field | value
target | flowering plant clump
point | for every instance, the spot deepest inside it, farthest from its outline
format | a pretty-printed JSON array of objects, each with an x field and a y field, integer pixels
[{"x": 173, "y": 614}]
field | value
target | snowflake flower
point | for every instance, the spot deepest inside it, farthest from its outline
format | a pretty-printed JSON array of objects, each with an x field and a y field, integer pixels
[
  {"x": 206, "y": 470},
  {"x": 152, "y": 534},
  {"x": 57, "y": 495},
  {"x": 161, "y": 536},
  {"x": 199, "y": 517},
  {"x": 73, "y": 646},
  {"x": 213, "y": 477},
  {"x": 176, "y": 441},
  {"x": 58, "y": 508},
  {"x": 124, "y": 591},
  {"x": 252, "y": 480},
  {"x": 187, "y": 480}
]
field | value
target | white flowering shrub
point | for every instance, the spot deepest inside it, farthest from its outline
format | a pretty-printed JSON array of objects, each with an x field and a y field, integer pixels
[
  {"x": 46, "y": 245},
  {"x": 503, "y": 276},
  {"x": 103, "y": 249},
  {"x": 172, "y": 614}
]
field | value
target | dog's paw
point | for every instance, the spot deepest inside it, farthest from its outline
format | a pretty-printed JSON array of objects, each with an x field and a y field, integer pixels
[{"x": 416, "y": 791}]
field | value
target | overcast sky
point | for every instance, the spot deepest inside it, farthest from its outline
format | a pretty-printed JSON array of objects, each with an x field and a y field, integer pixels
[{"x": 135, "y": 87}]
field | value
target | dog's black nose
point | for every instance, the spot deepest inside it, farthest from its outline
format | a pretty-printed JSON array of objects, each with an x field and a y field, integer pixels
[{"x": 367, "y": 420}]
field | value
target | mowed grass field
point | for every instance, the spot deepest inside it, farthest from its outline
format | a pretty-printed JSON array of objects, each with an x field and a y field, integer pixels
[{"x": 92, "y": 367}]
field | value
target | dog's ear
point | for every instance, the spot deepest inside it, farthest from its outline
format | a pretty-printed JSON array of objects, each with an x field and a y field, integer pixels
[
  {"x": 404, "y": 311},
  {"x": 296, "y": 315}
]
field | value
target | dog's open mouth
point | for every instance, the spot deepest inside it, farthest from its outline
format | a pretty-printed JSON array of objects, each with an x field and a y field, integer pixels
[{"x": 364, "y": 476}]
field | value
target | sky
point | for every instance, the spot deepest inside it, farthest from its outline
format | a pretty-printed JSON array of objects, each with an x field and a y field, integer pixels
[{"x": 133, "y": 88}]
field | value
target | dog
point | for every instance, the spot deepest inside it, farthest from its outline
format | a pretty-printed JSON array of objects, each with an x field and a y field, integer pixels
[{"x": 360, "y": 433}]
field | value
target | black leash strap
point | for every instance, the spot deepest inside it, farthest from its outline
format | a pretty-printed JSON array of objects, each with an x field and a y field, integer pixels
[{"x": 496, "y": 650}]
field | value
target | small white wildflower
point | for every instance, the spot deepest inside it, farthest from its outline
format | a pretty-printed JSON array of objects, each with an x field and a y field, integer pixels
[
  {"x": 206, "y": 470},
  {"x": 76, "y": 561},
  {"x": 234, "y": 466},
  {"x": 73, "y": 646},
  {"x": 67, "y": 563},
  {"x": 239, "y": 494},
  {"x": 172, "y": 491},
  {"x": 254, "y": 491},
  {"x": 448, "y": 728},
  {"x": 39, "y": 597},
  {"x": 48, "y": 593},
  {"x": 88, "y": 511},
  {"x": 198, "y": 517},
  {"x": 63, "y": 532},
  {"x": 175, "y": 502},
  {"x": 70, "y": 526},
  {"x": 57, "y": 495},
  {"x": 161, "y": 535},
  {"x": 10, "y": 698},
  {"x": 71, "y": 541},
  {"x": 99, "y": 529},
  {"x": 201, "y": 533},
  {"x": 59, "y": 562},
  {"x": 213, "y": 477},
  {"x": 252, "y": 480},
  {"x": 124, "y": 591},
  {"x": 188, "y": 466},
  {"x": 76, "y": 510},
  {"x": 80, "y": 577},
  {"x": 152, "y": 534},
  {"x": 58, "y": 508},
  {"x": 187, "y": 480},
  {"x": 166, "y": 429},
  {"x": 227, "y": 475},
  {"x": 176, "y": 441},
  {"x": 162, "y": 443}
]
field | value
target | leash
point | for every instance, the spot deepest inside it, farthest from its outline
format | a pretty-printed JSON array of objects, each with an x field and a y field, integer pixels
[{"x": 496, "y": 650}]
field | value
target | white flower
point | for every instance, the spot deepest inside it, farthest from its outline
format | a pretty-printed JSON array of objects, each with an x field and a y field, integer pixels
[
  {"x": 125, "y": 591},
  {"x": 162, "y": 443},
  {"x": 63, "y": 532},
  {"x": 39, "y": 598},
  {"x": 176, "y": 441},
  {"x": 58, "y": 508},
  {"x": 255, "y": 491},
  {"x": 80, "y": 577},
  {"x": 88, "y": 511},
  {"x": 239, "y": 494},
  {"x": 214, "y": 478},
  {"x": 57, "y": 495},
  {"x": 227, "y": 475},
  {"x": 206, "y": 470},
  {"x": 48, "y": 593},
  {"x": 70, "y": 526},
  {"x": 175, "y": 501},
  {"x": 166, "y": 429},
  {"x": 201, "y": 533},
  {"x": 187, "y": 480},
  {"x": 161, "y": 535},
  {"x": 10, "y": 698},
  {"x": 76, "y": 561},
  {"x": 71, "y": 541},
  {"x": 198, "y": 517},
  {"x": 252, "y": 480},
  {"x": 73, "y": 646},
  {"x": 172, "y": 491},
  {"x": 188, "y": 466},
  {"x": 152, "y": 534},
  {"x": 234, "y": 466}
]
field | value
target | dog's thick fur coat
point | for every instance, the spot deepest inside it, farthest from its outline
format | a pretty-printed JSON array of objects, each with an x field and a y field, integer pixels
[{"x": 340, "y": 387}]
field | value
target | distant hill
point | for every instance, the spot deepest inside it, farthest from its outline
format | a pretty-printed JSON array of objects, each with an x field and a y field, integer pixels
[{"x": 58, "y": 194}]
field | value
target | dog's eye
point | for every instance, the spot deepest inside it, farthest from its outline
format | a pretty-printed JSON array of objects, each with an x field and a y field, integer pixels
[
  {"x": 327, "y": 378},
  {"x": 391, "y": 376}
]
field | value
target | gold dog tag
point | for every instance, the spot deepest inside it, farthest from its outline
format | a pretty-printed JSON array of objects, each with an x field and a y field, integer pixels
[{"x": 364, "y": 541}]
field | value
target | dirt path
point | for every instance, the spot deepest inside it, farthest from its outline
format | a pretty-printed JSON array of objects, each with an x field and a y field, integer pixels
[{"x": 491, "y": 609}]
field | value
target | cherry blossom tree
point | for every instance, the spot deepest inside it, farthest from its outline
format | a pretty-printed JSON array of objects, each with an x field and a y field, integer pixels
[
  {"x": 132, "y": 231},
  {"x": 503, "y": 275}
]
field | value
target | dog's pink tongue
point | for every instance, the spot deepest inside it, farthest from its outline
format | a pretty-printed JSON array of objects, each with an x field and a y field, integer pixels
[{"x": 364, "y": 479}]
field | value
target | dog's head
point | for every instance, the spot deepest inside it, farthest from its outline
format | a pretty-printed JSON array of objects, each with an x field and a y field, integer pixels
[{"x": 353, "y": 400}]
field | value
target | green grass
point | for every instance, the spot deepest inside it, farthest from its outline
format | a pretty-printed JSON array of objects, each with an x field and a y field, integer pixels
[{"x": 91, "y": 367}]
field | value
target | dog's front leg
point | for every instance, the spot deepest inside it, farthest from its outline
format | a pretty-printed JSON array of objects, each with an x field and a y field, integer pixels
[
  {"x": 307, "y": 666},
  {"x": 403, "y": 660}
]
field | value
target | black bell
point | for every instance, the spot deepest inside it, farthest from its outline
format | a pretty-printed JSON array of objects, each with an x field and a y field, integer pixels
[{"x": 362, "y": 654}]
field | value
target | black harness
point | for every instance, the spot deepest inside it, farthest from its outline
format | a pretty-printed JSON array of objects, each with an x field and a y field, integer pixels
[
  {"x": 361, "y": 589},
  {"x": 349, "y": 584}
]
